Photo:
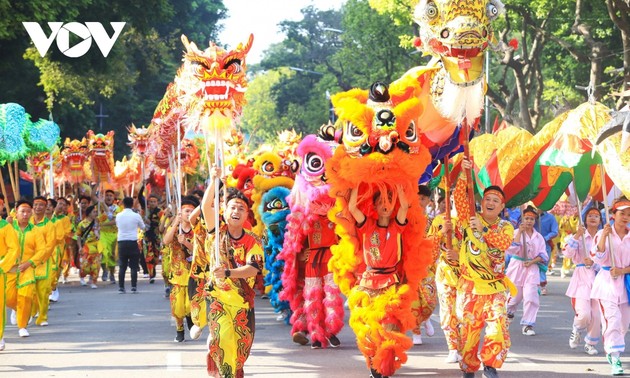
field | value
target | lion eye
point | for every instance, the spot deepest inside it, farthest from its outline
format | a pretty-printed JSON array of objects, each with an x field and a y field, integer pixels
[
  {"x": 267, "y": 167},
  {"x": 313, "y": 162},
  {"x": 411, "y": 134}
]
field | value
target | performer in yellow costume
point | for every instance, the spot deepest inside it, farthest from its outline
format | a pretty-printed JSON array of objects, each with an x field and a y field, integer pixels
[
  {"x": 61, "y": 257},
  {"x": 230, "y": 293},
  {"x": 43, "y": 271},
  {"x": 481, "y": 297},
  {"x": 21, "y": 284},
  {"x": 109, "y": 235},
  {"x": 180, "y": 242},
  {"x": 9, "y": 254}
]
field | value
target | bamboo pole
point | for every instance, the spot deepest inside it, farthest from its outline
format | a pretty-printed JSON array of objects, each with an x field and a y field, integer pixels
[
  {"x": 4, "y": 192},
  {"x": 447, "y": 202},
  {"x": 17, "y": 178},
  {"x": 605, "y": 195},
  {"x": 12, "y": 181},
  {"x": 470, "y": 186}
]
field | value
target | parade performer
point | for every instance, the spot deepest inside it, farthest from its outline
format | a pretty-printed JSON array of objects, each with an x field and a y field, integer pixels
[
  {"x": 109, "y": 233},
  {"x": 9, "y": 255},
  {"x": 88, "y": 235},
  {"x": 587, "y": 315},
  {"x": 446, "y": 277},
  {"x": 380, "y": 145},
  {"x": 198, "y": 276},
  {"x": 230, "y": 294},
  {"x": 180, "y": 242},
  {"x": 481, "y": 297},
  {"x": 308, "y": 284},
  {"x": 152, "y": 237},
  {"x": 427, "y": 292},
  {"x": 43, "y": 272},
  {"x": 33, "y": 252},
  {"x": 527, "y": 252},
  {"x": 274, "y": 210},
  {"x": 608, "y": 287},
  {"x": 60, "y": 260}
]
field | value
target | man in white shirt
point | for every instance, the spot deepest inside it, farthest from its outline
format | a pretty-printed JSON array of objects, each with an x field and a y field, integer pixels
[{"x": 128, "y": 222}]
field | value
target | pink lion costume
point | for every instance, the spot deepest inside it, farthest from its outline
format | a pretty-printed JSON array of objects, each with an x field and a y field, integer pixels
[{"x": 309, "y": 288}]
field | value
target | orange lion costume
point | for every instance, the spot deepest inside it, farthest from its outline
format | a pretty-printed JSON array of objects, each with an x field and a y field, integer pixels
[{"x": 380, "y": 147}]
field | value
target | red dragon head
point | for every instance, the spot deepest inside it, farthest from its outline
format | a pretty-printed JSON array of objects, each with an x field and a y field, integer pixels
[
  {"x": 101, "y": 149},
  {"x": 75, "y": 154}
]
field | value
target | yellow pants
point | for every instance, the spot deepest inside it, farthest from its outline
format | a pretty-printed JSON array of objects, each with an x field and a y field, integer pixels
[
  {"x": 109, "y": 248},
  {"x": 20, "y": 300},
  {"x": 3, "y": 303},
  {"x": 180, "y": 305},
  {"x": 41, "y": 300}
]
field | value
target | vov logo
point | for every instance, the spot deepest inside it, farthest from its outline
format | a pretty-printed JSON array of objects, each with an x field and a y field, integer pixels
[{"x": 61, "y": 33}]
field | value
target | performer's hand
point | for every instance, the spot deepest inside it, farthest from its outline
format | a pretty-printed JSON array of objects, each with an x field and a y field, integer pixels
[
  {"x": 607, "y": 230},
  {"x": 588, "y": 261},
  {"x": 475, "y": 224},
  {"x": 616, "y": 272},
  {"x": 181, "y": 238},
  {"x": 215, "y": 172},
  {"x": 24, "y": 266},
  {"x": 448, "y": 227},
  {"x": 219, "y": 272},
  {"x": 466, "y": 164},
  {"x": 578, "y": 234},
  {"x": 452, "y": 254}
]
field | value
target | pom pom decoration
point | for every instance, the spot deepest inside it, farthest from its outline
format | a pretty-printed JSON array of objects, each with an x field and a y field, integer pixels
[{"x": 13, "y": 122}]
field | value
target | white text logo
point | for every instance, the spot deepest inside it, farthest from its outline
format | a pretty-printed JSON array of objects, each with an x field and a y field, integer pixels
[{"x": 61, "y": 32}]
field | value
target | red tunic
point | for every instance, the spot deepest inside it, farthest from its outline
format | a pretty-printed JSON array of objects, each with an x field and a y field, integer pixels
[{"x": 382, "y": 251}]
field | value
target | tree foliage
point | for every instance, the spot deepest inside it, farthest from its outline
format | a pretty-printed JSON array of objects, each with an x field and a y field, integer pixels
[{"x": 128, "y": 84}]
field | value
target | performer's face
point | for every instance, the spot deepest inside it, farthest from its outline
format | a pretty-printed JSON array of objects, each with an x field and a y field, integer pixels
[
  {"x": 384, "y": 208},
  {"x": 424, "y": 201},
  {"x": 186, "y": 211},
  {"x": 153, "y": 203},
  {"x": 593, "y": 219},
  {"x": 24, "y": 214},
  {"x": 528, "y": 221},
  {"x": 109, "y": 198},
  {"x": 492, "y": 205},
  {"x": 235, "y": 212},
  {"x": 39, "y": 207},
  {"x": 622, "y": 216}
]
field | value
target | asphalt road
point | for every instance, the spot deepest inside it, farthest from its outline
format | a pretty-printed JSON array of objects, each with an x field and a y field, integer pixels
[{"x": 100, "y": 333}]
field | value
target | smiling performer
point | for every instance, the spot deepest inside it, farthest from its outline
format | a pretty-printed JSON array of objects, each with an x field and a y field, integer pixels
[
  {"x": 230, "y": 294},
  {"x": 481, "y": 297}
]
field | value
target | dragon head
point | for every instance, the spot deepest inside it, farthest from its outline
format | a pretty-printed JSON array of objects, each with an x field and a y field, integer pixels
[
  {"x": 138, "y": 139},
  {"x": 75, "y": 154},
  {"x": 213, "y": 80},
  {"x": 458, "y": 32},
  {"x": 99, "y": 144}
]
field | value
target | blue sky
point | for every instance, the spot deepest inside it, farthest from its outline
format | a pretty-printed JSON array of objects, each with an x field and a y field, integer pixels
[{"x": 261, "y": 17}]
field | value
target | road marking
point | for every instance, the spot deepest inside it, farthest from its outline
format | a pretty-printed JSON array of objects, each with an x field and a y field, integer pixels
[
  {"x": 137, "y": 314},
  {"x": 174, "y": 361},
  {"x": 520, "y": 359}
]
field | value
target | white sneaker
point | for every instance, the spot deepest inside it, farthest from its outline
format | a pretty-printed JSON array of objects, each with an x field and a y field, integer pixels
[
  {"x": 2, "y": 344},
  {"x": 428, "y": 327},
  {"x": 63, "y": 280},
  {"x": 453, "y": 357},
  {"x": 590, "y": 350},
  {"x": 44, "y": 324},
  {"x": 195, "y": 332},
  {"x": 93, "y": 286},
  {"x": 82, "y": 281},
  {"x": 23, "y": 332},
  {"x": 417, "y": 339},
  {"x": 13, "y": 317},
  {"x": 54, "y": 296},
  {"x": 529, "y": 331},
  {"x": 574, "y": 340}
]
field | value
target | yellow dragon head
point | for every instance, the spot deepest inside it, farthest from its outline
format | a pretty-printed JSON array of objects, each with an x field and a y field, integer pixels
[
  {"x": 101, "y": 151},
  {"x": 75, "y": 155},
  {"x": 458, "y": 32}
]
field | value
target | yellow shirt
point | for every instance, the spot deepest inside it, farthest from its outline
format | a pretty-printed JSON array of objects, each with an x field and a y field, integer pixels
[
  {"x": 9, "y": 247},
  {"x": 49, "y": 232},
  {"x": 32, "y": 249}
]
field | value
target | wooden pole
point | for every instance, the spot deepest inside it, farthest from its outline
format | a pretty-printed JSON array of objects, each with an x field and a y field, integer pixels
[
  {"x": 470, "y": 187},
  {"x": 447, "y": 202},
  {"x": 4, "y": 192},
  {"x": 605, "y": 195},
  {"x": 12, "y": 181},
  {"x": 17, "y": 178}
]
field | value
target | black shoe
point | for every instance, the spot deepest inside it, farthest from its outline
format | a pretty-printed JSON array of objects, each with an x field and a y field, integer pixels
[
  {"x": 180, "y": 336},
  {"x": 134, "y": 290},
  {"x": 375, "y": 374},
  {"x": 333, "y": 341},
  {"x": 167, "y": 292},
  {"x": 468, "y": 375},
  {"x": 316, "y": 345},
  {"x": 151, "y": 280},
  {"x": 121, "y": 290},
  {"x": 490, "y": 372},
  {"x": 189, "y": 322}
]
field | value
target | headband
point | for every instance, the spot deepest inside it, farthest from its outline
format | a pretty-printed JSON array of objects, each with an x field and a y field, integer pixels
[
  {"x": 593, "y": 209},
  {"x": 621, "y": 205},
  {"x": 23, "y": 204},
  {"x": 39, "y": 199},
  {"x": 531, "y": 211},
  {"x": 496, "y": 193}
]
